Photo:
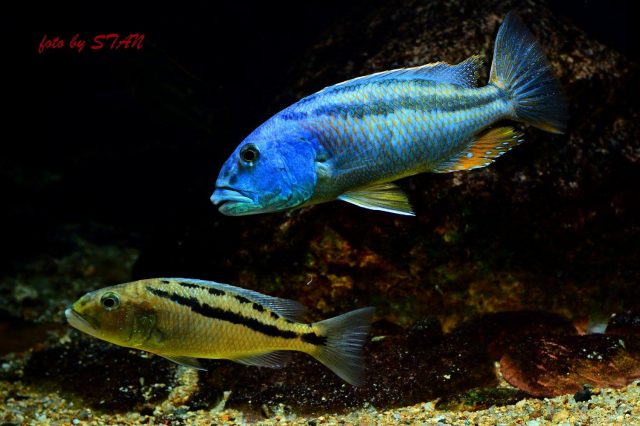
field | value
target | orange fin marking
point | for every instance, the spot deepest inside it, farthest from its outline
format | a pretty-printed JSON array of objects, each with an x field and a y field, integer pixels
[{"x": 483, "y": 150}]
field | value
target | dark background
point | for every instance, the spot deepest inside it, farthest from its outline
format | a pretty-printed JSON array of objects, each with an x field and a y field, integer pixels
[{"x": 126, "y": 145}]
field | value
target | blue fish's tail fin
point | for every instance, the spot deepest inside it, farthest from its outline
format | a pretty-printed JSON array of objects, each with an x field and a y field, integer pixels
[
  {"x": 344, "y": 337},
  {"x": 521, "y": 69}
]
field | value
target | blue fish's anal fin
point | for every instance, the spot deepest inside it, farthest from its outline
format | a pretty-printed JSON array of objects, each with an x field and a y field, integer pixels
[
  {"x": 275, "y": 359},
  {"x": 386, "y": 197},
  {"x": 186, "y": 361},
  {"x": 482, "y": 151}
]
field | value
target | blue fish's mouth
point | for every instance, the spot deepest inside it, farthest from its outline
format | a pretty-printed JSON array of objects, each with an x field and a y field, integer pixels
[{"x": 231, "y": 201}]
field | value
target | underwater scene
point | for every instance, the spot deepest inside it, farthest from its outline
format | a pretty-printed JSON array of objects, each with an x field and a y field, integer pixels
[{"x": 321, "y": 213}]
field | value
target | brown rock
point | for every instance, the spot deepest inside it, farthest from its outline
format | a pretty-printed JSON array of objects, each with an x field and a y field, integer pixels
[{"x": 555, "y": 365}]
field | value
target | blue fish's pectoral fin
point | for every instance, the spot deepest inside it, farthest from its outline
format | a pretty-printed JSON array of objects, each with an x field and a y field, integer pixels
[
  {"x": 186, "y": 361},
  {"x": 386, "y": 197},
  {"x": 482, "y": 151},
  {"x": 275, "y": 359}
]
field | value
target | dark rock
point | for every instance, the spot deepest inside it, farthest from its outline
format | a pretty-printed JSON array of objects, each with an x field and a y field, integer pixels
[
  {"x": 624, "y": 323},
  {"x": 18, "y": 335},
  {"x": 423, "y": 330},
  {"x": 555, "y": 365},
  {"x": 400, "y": 370},
  {"x": 584, "y": 394},
  {"x": 43, "y": 287},
  {"x": 104, "y": 376},
  {"x": 205, "y": 400},
  {"x": 498, "y": 331}
]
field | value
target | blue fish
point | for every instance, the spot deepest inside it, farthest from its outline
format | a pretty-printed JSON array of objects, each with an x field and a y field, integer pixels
[{"x": 350, "y": 141}]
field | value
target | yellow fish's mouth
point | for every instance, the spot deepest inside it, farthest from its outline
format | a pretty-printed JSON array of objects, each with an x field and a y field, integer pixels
[{"x": 77, "y": 321}]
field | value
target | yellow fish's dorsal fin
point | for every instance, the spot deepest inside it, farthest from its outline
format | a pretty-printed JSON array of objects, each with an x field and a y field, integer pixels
[
  {"x": 288, "y": 309},
  {"x": 482, "y": 151},
  {"x": 386, "y": 197}
]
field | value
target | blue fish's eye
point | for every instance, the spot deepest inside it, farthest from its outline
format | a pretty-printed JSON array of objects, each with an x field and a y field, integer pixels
[
  {"x": 110, "y": 301},
  {"x": 249, "y": 153}
]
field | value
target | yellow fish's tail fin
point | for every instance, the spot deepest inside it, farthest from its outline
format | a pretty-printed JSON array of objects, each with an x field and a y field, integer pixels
[
  {"x": 341, "y": 349},
  {"x": 521, "y": 69}
]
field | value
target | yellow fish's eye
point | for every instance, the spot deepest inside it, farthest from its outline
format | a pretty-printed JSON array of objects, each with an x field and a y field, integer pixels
[
  {"x": 110, "y": 301},
  {"x": 249, "y": 153}
]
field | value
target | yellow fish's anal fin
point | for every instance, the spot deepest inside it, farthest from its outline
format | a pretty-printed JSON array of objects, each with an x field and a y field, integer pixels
[
  {"x": 275, "y": 359},
  {"x": 186, "y": 361},
  {"x": 483, "y": 150},
  {"x": 386, "y": 197}
]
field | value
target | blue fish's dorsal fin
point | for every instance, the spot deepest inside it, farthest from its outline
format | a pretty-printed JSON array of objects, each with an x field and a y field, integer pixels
[
  {"x": 464, "y": 74},
  {"x": 288, "y": 309}
]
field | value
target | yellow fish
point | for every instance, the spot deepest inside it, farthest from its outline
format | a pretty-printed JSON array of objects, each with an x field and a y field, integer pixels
[{"x": 185, "y": 319}]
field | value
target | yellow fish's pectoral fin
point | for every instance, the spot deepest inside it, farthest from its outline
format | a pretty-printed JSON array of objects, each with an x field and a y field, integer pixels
[
  {"x": 186, "y": 361},
  {"x": 386, "y": 197},
  {"x": 483, "y": 150},
  {"x": 275, "y": 359}
]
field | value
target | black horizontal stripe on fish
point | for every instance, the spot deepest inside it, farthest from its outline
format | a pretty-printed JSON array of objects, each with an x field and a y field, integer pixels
[
  {"x": 242, "y": 299},
  {"x": 366, "y": 109},
  {"x": 211, "y": 290},
  {"x": 220, "y": 314},
  {"x": 217, "y": 292},
  {"x": 293, "y": 115},
  {"x": 411, "y": 103},
  {"x": 314, "y": 339}
]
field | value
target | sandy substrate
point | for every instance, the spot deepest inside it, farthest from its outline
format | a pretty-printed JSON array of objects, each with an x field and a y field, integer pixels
[{"x": 22, "y": 405}]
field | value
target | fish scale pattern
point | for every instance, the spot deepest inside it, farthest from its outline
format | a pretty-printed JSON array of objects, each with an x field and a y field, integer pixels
[{"x": 396, "y": 127}]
